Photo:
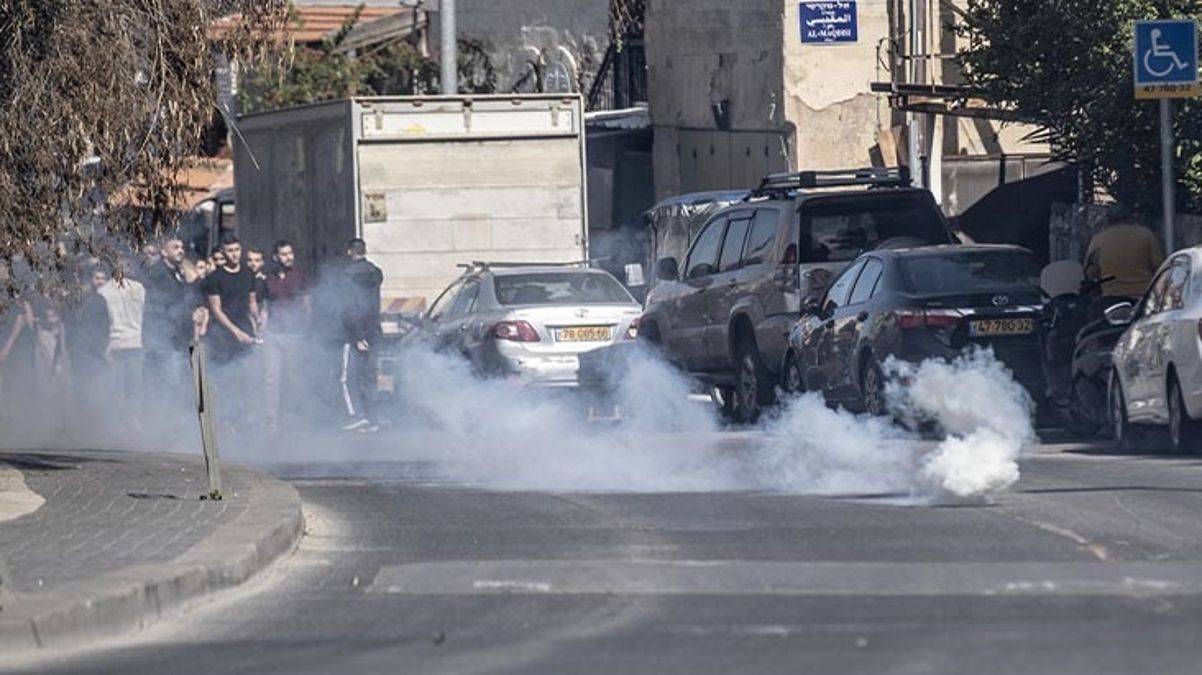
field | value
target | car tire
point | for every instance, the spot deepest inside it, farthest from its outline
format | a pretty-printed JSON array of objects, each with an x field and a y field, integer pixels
[
  {"x": 1127, "y": 437},
  {"x": 792, "y": 381},
  {"x": 754, "y": 387},
  {"x": 1185, "y": 433},
  {"x": 872, "y": 389}
]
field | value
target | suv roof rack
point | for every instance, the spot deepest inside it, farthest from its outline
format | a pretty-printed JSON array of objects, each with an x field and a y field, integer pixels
[
  {"x": 782, "y": 183},
  {"x": 487, "y": 264}
]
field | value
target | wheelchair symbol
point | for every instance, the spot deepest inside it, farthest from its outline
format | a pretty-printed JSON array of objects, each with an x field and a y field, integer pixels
[{"x": 1163, "y": 54}]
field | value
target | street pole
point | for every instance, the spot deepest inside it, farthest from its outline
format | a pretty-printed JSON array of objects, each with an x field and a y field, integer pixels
[
  {"x": 1166, "y": 172},
  {"x": 449, "y": 53},
  {"x": 204, "y": 410}
]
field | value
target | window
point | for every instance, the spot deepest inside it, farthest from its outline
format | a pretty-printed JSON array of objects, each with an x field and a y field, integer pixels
[
  {"x": 762, "y": 239},
  {"x": 1178, "y": 282},
  {"x": 732, "y": 246},
  {"x": 842, "y": 230},
  {"x": 704, "y": 256},
  {"x": 561, "y": 288},
  {"x": 866, "y": 286},
  {"x": 466, "y": 302},
  {"x": 1155, "y": 295},
  {"x": 970, "y": 271},
  {"x": 839, "y": 291},
  {"x": 444, "y": 301}
]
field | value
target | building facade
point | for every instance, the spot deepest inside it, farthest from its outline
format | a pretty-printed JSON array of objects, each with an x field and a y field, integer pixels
[{"x": 741, "y": 88}]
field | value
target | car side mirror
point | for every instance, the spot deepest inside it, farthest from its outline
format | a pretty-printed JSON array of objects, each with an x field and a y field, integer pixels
[
  {"x": 811, "y": 305},
  {"x": 667, "y": 269},
  {"x": 1120, "y": 314}
]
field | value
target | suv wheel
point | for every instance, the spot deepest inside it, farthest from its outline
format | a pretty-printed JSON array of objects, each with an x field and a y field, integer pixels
[
  {"x": 1185, "y": 434},
  {"x": 753, "y": 386}
]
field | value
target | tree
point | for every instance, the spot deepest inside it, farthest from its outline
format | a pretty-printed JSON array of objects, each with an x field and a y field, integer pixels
[
  {"x": 98, "y": 97},
  {"x": 395, "y": 68},
  {"x": 1066, "y": 66}
]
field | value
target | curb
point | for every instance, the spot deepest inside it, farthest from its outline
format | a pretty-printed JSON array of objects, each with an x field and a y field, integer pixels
[{"x": 125, "y": 601}]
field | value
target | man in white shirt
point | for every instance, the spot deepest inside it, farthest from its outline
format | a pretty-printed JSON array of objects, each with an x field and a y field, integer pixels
[{"x": 126, "y": 301}]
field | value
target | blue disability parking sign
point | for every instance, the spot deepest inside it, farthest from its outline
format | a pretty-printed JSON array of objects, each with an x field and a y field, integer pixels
[
  {"x": 829, "y": 22},
  {"x": 1166, "y": 58}
]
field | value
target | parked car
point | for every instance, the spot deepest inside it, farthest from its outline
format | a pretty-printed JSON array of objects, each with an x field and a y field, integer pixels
[
  {"x": 1157, "y": 375},
  {"x": 529, "y": 322},
  {"x": 724, "y": 314},
  {"x": 915, "y": 304}
]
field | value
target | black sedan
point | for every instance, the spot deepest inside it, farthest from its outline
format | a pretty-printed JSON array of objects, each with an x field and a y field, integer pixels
[{"x": 915, "y": 304}]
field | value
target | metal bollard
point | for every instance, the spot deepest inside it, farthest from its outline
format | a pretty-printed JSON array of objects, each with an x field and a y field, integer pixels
[{"x": 204, "y": 410}]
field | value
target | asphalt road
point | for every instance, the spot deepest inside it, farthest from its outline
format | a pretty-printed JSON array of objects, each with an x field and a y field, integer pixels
[{"x": 1091, "y": 564}]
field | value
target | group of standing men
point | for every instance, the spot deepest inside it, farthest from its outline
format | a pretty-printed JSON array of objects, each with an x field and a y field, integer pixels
[{"x": 125, "y": 348}]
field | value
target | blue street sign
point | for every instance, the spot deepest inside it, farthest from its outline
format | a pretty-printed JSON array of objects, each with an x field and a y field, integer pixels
[
  {"x": 833, "y": 21},
  {"x": 1166, "y": 58}
]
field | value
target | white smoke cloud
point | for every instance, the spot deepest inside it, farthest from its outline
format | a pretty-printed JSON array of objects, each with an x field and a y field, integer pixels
[
  {"x": 500, "y": 435},
  {"x": 984, "y": 414}
]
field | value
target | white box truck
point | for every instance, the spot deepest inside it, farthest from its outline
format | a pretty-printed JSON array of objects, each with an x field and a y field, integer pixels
[{"x": 428, "y": 182}]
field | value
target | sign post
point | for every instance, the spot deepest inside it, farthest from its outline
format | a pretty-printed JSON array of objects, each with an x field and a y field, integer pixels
[
  {"x": 204, "y": 410},
  {"x": 1166, "y": 67}
]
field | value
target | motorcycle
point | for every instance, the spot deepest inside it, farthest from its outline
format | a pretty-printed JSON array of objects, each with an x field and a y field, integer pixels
[{"x": 1076, "y": 345}]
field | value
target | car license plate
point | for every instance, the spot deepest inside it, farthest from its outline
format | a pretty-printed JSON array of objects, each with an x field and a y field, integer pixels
[
  {"x": 584, "y": 334},
  {"x": 996, "y": 327}
]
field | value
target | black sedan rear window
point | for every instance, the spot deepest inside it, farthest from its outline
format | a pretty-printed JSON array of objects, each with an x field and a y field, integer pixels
[
  {"x": 560, "y": 288},
  {"x": 969, "y": 271}
]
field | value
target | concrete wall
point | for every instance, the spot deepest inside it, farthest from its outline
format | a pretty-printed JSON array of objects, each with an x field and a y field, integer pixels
[
  {"x": 715, "y": 80},
  {"x": 518, "y": 32},
  {"x": 828, "y": 94}
]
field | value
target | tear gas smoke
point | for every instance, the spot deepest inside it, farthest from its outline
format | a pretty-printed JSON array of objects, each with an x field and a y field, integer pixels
[
  {"x": 984, "y": 414},
  {"x": 981, "y": 415},
  {"x": 499, "y": 435},
  {"x": 495, "y": 434}
]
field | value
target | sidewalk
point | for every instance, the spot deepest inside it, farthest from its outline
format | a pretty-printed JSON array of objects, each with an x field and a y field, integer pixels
[{"x": 124, "y": 537}]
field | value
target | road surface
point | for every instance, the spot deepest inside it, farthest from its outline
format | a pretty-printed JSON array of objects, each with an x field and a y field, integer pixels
[{"x": 1092, "y": 564}]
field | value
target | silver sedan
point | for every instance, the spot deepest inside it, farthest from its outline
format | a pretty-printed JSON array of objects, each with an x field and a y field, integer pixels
[
  {"x": 530, "y": 323},
  {"x": 1157, "y": 377}
]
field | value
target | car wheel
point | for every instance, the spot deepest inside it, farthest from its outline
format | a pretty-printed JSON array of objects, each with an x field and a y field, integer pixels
[
  {"x": 872, "y": 383},
  {"x": 1185, "y": 434},
  {"x": 1127, "y": 437},
  {"x": 791, "y": 380},
  {"x": 754, "y": 386}
]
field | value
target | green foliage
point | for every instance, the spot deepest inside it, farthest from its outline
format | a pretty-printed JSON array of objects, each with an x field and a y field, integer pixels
[
  {"x": 1066, "y": 65},
  {"x": 328, "y": 72},
  {"x": 102, "y": 103}
]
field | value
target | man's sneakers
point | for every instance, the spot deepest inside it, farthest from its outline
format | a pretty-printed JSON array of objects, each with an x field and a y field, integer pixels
[{"x": 361, "y": 425}]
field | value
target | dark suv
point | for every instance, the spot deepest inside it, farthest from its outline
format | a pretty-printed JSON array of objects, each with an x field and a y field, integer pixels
[{"x": 725, "y": 314}]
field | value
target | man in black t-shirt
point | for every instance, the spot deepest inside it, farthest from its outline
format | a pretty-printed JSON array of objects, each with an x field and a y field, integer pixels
[{"x": 230, "y": 292}]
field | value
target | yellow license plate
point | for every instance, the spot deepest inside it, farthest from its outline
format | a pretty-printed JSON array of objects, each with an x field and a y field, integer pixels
[
  {"x": 584, "y": 334},
  {"x": 995, "y": 327}
]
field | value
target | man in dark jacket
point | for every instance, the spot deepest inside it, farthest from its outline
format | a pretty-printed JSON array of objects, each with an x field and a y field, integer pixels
[
  {"x": 167, "y": 322},
  {"x": 361, "y": 335},
  {"x": 87, "y": 338}
]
